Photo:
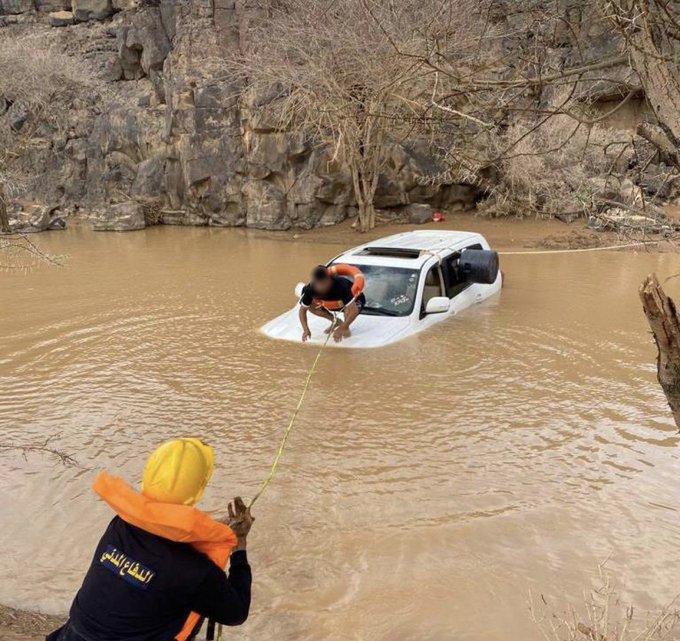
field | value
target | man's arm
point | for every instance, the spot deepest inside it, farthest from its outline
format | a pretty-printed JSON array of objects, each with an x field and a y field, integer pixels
[
  {"x": 226, "y": 599},
  {"x": 306, "y": 334}
]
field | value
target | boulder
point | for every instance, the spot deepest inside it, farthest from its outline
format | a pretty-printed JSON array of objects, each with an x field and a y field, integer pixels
[
  {"x": 35, "y": 218},
  {"x": 85, "y": 10},
  {"x": 13, "y": 7},
  {"x": 52, "y": 6},
  {"x": 419, "y": 214},
  {"x": 61, "y": 18},
  {"x": 128, "y": 216},
  {"x": 659, "y": 181},
  {"x": 125, "y": 5},
  {"x": 17, "y": 116},
  {"x": 604, "y": 189}
]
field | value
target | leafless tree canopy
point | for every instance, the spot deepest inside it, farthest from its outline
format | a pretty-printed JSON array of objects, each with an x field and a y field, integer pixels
[
  {"x": 331, "y": 71},
  {"x": 503, "y": 90}
]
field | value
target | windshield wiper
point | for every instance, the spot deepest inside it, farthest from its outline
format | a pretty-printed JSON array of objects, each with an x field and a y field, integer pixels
[{"x": 380, "y": 311}]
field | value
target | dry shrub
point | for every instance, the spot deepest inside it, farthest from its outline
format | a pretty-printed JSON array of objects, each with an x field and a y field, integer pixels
[
  {"x": 39, "y": 86},
  {"x": 34, "y": 72},
  {"x": 604, "y": 617},
  {"x": 555, "y": 169}
]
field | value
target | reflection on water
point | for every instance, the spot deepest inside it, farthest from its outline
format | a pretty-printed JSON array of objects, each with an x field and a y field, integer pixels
[{"x": 428, "y": 485}]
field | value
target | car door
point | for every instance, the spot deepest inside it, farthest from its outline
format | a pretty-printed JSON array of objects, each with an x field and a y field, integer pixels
[
  {"x": 461, "y": 292},
  {"x": 433, "y": 285}
]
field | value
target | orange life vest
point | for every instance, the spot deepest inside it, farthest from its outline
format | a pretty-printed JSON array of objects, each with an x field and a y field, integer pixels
[
  {"x": 358, "y": 284},
  {"x": 180, "y": 523}
]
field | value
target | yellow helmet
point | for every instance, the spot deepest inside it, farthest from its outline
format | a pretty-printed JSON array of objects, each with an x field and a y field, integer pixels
[{"x": 178, "y": 471}]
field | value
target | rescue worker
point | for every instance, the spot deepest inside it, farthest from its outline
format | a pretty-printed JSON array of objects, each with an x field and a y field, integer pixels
[
  {"x": 329, "y": 291},
  {"x": 157, "y": 571}
]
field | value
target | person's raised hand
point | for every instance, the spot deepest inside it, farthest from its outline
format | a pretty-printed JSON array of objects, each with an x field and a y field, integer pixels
[{"x": 240, "y": 520}]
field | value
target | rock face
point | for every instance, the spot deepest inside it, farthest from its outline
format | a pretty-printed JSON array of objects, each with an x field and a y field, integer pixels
[
  {"x": 174, "y": 135},
  {"x": 178, "y": 137},
  {"x": 14, "y": 7}
]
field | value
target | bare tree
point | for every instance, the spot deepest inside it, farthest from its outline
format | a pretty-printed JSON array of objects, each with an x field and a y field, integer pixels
[
  {"x": 329, "y": 72},
  {"x": 37, "y": 84},
  {"x": 512, "y": 94},
  {"x": 651, "y": 31}
]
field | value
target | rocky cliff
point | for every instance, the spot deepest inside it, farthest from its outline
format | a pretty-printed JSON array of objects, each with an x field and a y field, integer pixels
[
  {"x": 172, "y": 138},
  {"x": 173, "y": 133}
]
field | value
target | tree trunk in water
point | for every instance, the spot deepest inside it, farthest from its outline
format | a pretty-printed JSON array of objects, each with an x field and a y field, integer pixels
[
  {"x": 4, "y": 216},
  {"x": 364, "y": 200},
  {"x": 364, "y": 216},
  {"x": 663, "y": 318}
]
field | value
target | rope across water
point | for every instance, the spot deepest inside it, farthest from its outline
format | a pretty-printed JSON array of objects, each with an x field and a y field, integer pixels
[
  {"x": 575, "y": 251},
  {"x": 286, "y": 434},
  {"x": 296, "y": 411}
]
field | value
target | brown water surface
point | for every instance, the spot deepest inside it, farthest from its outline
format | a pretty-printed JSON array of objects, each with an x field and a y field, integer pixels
[{"x": 429, "y": 486}]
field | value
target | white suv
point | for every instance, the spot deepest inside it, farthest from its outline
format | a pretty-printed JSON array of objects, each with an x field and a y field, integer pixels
[{"x": 413, "y": 280}]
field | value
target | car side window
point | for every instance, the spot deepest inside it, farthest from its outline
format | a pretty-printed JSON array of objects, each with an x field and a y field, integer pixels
[
  {"x": 454, "y": 280},
  {"x": 433, "y": 286}
]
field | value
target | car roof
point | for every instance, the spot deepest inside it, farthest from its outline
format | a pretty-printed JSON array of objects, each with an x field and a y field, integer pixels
[{"x": 418, "y": 247}]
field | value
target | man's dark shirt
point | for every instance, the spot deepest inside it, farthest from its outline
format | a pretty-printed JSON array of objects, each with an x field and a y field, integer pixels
[
  {"x": 340, "y": 292},
  {"x": 142, "y": 587}
]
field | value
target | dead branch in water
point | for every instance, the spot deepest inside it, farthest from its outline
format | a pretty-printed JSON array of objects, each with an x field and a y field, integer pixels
[
  {"x": 662, "y": 316},
  {"x": 18, "y": 247},
  {"x": 44, "y": 447},
  {"x": 603, "y": 617}
]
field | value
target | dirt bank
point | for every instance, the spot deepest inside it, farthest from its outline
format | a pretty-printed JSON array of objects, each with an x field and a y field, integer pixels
[
  {"x": 502, "y": 233},
  {"x": 19, "y": 625}
]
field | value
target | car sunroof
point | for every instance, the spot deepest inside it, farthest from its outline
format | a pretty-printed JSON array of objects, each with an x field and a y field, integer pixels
[{"x": 395, "y": 252}]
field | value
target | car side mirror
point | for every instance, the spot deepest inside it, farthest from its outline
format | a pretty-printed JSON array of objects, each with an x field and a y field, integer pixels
[
  {"x": 298, "y": 290},
  {"x": 438, "y": 305}
]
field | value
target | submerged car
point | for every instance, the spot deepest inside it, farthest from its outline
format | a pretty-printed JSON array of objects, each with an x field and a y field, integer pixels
[{"x": 413, "y": 280}]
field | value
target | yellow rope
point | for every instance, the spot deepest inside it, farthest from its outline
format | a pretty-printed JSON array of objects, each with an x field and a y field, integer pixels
[
  {"x": 291, "y": 424},
  {"x": 286, "y": 434}
]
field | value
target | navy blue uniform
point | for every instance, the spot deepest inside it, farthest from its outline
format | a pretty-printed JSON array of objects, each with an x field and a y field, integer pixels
[{"x": 142, "y": 587}]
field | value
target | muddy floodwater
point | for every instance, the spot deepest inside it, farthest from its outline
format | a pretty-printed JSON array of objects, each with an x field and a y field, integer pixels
[{"x": 429, "y": 487}]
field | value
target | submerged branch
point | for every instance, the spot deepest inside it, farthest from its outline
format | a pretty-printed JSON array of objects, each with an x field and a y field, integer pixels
[{"x": 44, "y": 447}]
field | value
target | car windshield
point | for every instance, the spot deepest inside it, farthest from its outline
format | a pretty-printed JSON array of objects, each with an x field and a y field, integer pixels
[{"x": 390, "y": 291}]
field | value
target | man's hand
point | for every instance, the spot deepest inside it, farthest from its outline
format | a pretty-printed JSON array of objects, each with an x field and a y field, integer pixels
[
  {"x": 240, "y": 521},
  {"x": 306, "y": 334},
  {"x": 341, "y": 331}
]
